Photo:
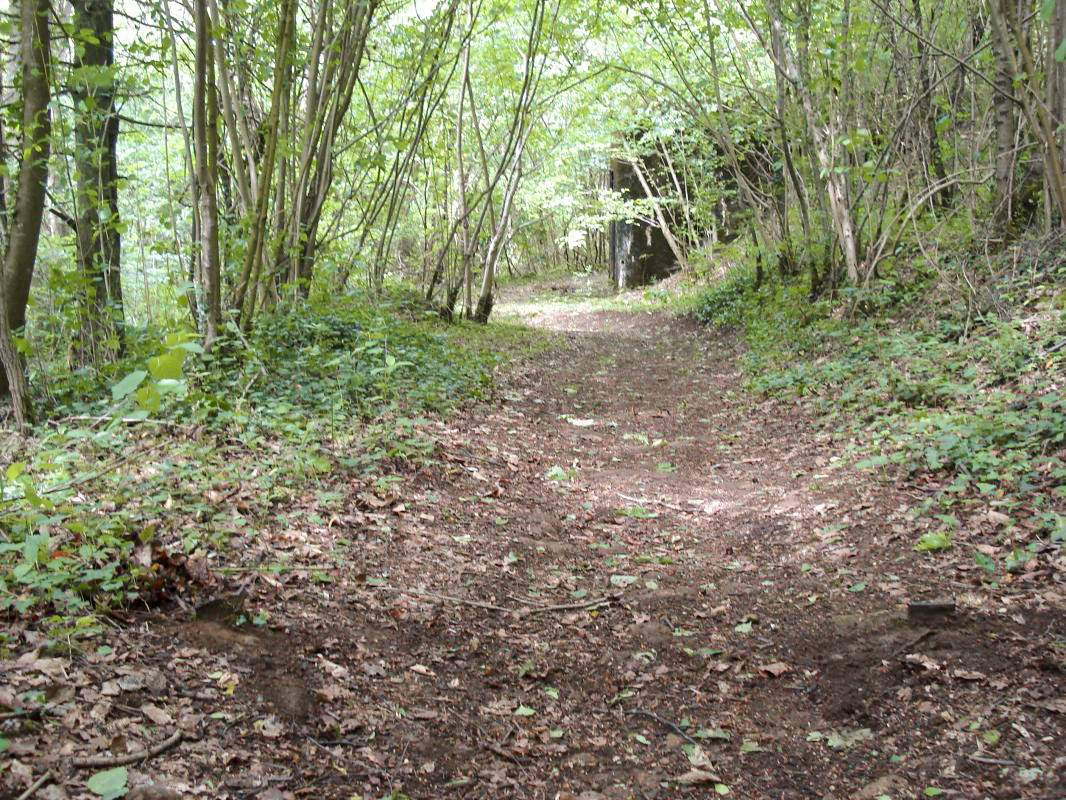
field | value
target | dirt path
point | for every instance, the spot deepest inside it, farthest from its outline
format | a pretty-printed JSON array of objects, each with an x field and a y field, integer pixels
[{"x": 621, "y": 581}]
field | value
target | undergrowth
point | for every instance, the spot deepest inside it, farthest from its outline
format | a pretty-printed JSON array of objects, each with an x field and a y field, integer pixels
[
  {"x": 962, "y": 396},
  {"x": 166, "y": 458}
]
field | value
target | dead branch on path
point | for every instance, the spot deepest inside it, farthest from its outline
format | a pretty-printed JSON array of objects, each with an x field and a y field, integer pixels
[
  {"x": 524, "y": 610},
  {"x": 129, "y": 758}
]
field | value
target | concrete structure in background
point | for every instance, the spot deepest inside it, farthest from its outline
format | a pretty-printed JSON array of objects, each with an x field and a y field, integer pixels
[{"x": 639, "y": 252}]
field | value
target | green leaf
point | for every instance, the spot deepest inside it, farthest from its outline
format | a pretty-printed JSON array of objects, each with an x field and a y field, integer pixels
[
  {"x": 986, "y": 563},
  {"x": 524, "y": 711},
  {"x": 636, "y": 512},
  {"x": 167, "y": 366},
  {"x": 713, "y": 733},
  {"x": 110, "y": 783},
  {"x": 125, "y": 387},
  {"x": 640, "y": 738},
  {"x": 1060, "y": 51},
  {"x": 579, "y": 594},
  {"x": 551, "y": 691},
  {"x": 749, "y": 746},
  {"x": 743, "y": 627},
  {"x": 1047, "y": 8},
  {"x": 622, "y": 581},
  {"x": 858, "y": 587},
  {"x": 934, "y": 542},
  {"x": 932, "y": 791},
  {"x": 721, "y": 788},
  {"x": 4, "y": 744},
  {"x": 557, "y": 473},
  {"x": 845, "y": 739},
  {"x": 14, "y": 470}
]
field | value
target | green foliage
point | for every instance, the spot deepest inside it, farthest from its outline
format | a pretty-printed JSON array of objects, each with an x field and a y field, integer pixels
[
  {"x": 973, "y": 407},
  {"x": 86, "y": 514},
  {"x": 723, "y": 304}
]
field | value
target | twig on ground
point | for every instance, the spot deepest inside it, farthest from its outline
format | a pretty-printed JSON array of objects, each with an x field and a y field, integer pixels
[
  {"x": 996, "y": 762},
  {"x": 603, "y": 601},
  {"x": 37, "y": 784},
  {"x": 118, "y": 462},
  {"x": 129, "y": 421},
  {"x": 735, "y": 461},
  {"x": 129, "y": 758},
  {"x": 640, "y": 712},
  {"x": 447, "y": 598},
  {"x": 649, "y": 500},
  {"x": 279, "y": 568}
]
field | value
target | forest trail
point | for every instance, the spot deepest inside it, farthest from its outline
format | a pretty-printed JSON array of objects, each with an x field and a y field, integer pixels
[{"x": 619, "y": 579}]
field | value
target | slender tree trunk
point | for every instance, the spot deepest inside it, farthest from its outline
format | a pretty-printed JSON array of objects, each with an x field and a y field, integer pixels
[
  {"x": 248, "y": 289},
  {"x": 205, "y": 146},
  {"x": 1006, "y": 130},
  {"x": 836, "y": 187},
  {"x": 96, "y": 164},
  {"x": 29, "y": 201},
  {"x": 1012, "y": 41}
]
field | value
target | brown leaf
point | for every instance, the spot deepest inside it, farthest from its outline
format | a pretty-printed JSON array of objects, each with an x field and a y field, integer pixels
[
  {"x": 156, "y": 714},
  {"x": 1057, "y": 705},
  {"x": 695, "y": 777},
  {"x": 777, "y": 669}
]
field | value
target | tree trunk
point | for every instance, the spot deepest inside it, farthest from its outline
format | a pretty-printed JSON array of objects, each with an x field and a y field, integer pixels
[
  {"x": 836, "y": 187},
  {"x": 29, "y": 201},
  {"x": 205, "y": 147},
  {"x": 1006, "y": 129},
  {"x": 248, "y": 289},
  {"x": 1013, "y": 43},
  {"x": 96, "y": 165}
]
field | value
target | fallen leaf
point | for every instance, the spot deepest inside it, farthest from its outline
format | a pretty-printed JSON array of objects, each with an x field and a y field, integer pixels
[
  {"x": 777, "y": 669},
  {"x": 156, "y": 714},
  {"x": 695, "y": 777}
]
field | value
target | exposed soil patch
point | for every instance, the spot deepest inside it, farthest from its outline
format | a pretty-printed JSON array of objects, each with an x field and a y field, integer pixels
[{"x": 620, "y": 580}]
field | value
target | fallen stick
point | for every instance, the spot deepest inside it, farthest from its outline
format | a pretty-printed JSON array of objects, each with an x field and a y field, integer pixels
[
  {"x": 112, "y": 465},
  {"x": 640, "y": 712},
  {"x": 648, "y": 500},
  {"x": 129, "y": 758},
  {"x": 37, "y": 784},
  {"x": 603, "y": 601},
  {"x": 997, "y": 762}
]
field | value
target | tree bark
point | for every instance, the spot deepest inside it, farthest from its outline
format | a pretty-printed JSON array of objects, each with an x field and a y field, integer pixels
[
  {"x": 96, "y": 165},
  {"x": 29, "y": 200},
  {"x": 248, "y": 289},
  {"x": 205, "y": 154},
  {"x": 836, "y": 187}
]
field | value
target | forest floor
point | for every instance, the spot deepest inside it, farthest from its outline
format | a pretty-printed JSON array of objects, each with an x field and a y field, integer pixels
[{"x": 623, "y": 578}]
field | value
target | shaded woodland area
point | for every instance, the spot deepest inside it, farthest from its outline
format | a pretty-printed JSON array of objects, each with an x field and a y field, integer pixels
[
  {"x": 226, "y": 162},
  {"x": 533, "y": 398}
]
